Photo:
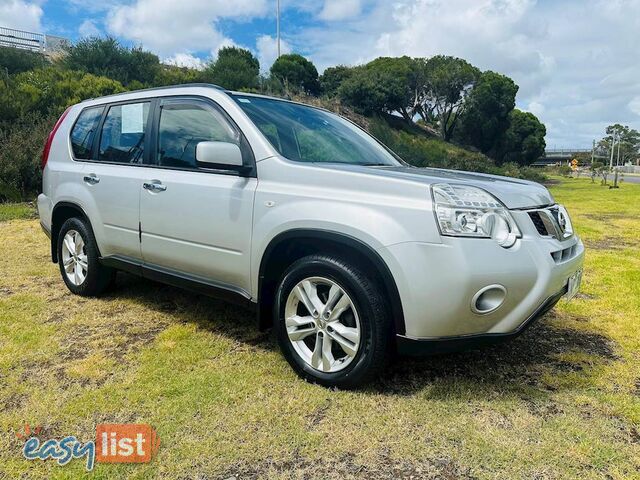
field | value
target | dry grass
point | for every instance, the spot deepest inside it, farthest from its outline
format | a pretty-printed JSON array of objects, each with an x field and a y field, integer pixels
[{"x": 562, "y": 401}]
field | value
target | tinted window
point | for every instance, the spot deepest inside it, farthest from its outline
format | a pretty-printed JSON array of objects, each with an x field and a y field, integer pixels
[
  {"x": 84, "y": 132},
  {"x": 183, "y": 126},
  {"x": 123, "y": 132},
  {"x": 307, "y": 134}
]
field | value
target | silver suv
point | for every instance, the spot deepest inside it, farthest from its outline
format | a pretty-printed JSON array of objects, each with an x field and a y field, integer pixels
[{"x": 347, "y": 251}]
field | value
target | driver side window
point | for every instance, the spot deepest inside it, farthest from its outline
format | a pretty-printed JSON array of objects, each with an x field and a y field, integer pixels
[{"x": 182, "y": 126}]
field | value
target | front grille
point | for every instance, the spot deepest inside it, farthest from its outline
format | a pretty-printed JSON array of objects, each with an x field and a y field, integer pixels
[
  {"x": 552, "y": 222},
  {"x": 538, "y": 223}
]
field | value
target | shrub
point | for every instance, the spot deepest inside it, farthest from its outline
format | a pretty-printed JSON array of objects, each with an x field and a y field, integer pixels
[
  {"x": 13, "y": 60},
  {"x": 107, "y": 57},
  {"x": 20, "y": 153},
  {"x": 565, "y": 170},
  {"x": 51, "y": 90}
]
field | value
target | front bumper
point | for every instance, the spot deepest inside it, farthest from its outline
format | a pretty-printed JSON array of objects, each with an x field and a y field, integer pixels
[
  {"x": 419, "y": 347},
  {"x": 437, "y": 283}
]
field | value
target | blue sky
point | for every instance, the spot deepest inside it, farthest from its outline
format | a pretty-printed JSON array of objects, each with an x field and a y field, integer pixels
[{"x": 577, "y": 62}]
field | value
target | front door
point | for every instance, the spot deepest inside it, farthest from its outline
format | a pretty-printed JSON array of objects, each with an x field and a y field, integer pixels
[{"x": 195, "y": 221}]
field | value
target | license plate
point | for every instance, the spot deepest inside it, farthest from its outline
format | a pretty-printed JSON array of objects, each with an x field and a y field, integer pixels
[{"x": 573, "y": 285}]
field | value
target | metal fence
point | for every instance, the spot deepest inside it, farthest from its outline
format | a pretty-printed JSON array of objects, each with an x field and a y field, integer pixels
[{"x": 35, "y": 42}]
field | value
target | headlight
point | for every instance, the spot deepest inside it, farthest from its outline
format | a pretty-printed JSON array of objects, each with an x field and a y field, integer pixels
[{"x": 465, "y": 211}]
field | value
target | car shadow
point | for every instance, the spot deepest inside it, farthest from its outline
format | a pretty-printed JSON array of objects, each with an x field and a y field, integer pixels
[{"x": 516, "y": 366}]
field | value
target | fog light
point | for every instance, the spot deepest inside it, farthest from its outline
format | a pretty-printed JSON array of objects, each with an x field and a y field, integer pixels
[{"x": 488, "y": 299}]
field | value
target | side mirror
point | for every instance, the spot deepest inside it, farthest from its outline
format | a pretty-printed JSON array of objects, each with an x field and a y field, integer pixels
[{"x": 218, "y": 154}]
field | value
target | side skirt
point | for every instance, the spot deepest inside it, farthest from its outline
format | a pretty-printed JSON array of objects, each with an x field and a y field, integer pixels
[{"x": 174, "y": 278}]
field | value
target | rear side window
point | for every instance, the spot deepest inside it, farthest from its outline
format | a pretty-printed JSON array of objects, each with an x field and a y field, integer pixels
[
  {"x": 183, "y": 126},
  {"x": 123, "y": 133},
  {"x": 84, "y": 131}
]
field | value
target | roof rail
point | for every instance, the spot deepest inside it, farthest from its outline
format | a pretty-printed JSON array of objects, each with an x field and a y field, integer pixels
[{"x": 151, "y": 89}]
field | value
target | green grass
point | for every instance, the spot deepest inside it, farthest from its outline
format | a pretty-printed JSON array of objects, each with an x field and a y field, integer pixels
[
  {"x": 13, "y": 211},
  {"x": 561, "y": 401}
]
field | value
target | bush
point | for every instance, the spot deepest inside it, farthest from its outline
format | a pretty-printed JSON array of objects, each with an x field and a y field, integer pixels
[
  {"x": 13, "y": 60},
  {"x": 51, "y": 90},
  {"x": 565, "y": 170},
  {"x": 20, "y": 154},
  {"x": 30, "y": 104},
  {"x": 107, "y": 57},
  {"x": 172, "y": 75}
]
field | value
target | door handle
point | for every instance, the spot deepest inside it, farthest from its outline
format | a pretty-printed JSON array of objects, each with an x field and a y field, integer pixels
[
  {"x": 154, "y": 186},
  {"x": 91, "y": 179}
]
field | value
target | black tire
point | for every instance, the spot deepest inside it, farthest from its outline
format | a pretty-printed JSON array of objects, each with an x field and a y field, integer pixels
[
  {"x": 98, "y": 277},
  {"x": 371, "y": 305}
]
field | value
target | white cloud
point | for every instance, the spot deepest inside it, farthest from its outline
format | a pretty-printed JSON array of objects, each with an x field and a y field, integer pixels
[
  {"x": 21, "y": 15},
  {"x": 88, "y": 28},
  {"x": 536, "y": 108},
  {"x": 185, "y": 60},
  {"x": 634, "y": 105},
  {"x": 268, "y": 51},
  {"x": 169, "y": 26},
  {"x": 340, "y": 9}
]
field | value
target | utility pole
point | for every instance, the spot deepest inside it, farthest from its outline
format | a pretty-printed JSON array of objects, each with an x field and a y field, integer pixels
[
  {"x": 278, "y": 25},
  {"x": 613, "y": 147},
  {"x": 593, "y": 151},
  {"x": 618, "y": 159}
]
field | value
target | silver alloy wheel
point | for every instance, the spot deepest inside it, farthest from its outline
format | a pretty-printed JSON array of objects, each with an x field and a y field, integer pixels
[
  {"x": 74, "y": 257},
  {"x": 322, "y": 324}
]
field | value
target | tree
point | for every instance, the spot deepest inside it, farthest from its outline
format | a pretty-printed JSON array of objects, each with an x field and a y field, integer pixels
[
  {"x": 629, "y": 143},
  {"x": 486, "y": 114},
  {"x": 411, "y": 72},
  {"x": 106, "y": 57},
  {"x": 14, "y": 60},
  {"x": 387, "y": 84},
  {"x": 333, "y": 78},
  {"x": 235, "y": 69},
  {"x": 371, "y": 90},
  {"x": 449, "y": 80},
  {"x": 297, "y": 74},
  {"x": 523, "y": 142}
]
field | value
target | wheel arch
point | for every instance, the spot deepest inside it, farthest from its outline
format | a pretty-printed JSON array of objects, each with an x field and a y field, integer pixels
[
  {"x": 62, "y": 211},
  {"x": 291, "y": 245}
]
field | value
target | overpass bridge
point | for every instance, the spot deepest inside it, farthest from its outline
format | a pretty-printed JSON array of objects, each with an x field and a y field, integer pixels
[{"x": 563, "y": 155}]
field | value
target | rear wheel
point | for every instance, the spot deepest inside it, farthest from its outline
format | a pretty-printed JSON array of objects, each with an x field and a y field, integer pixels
[
  {"x": 332, "y": 322},
  {"x": 78, "y": 259}
]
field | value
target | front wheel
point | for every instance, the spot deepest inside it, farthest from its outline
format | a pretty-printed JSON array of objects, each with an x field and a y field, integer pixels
[{"x": 332, "y": 322}]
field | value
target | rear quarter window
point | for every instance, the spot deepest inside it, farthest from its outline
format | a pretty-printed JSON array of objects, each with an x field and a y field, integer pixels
[{"x": 84, "y": 132}]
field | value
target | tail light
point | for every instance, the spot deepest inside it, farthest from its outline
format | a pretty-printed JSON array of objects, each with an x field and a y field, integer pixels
[{"x": 47, "y": 145}]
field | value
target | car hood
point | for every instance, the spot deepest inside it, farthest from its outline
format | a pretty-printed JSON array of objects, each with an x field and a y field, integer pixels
[{"x": 512, "y": 192}]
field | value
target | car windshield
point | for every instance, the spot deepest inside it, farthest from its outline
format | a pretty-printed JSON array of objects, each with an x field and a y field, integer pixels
[{"x": 308, "y": 134}]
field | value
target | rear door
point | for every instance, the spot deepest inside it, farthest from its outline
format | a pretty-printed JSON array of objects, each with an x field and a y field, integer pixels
[
  {"x": 117, "y": 146},
  {"x": 195, "y": 221}
]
